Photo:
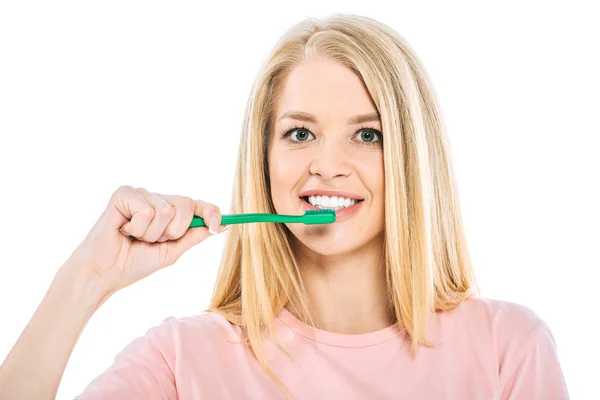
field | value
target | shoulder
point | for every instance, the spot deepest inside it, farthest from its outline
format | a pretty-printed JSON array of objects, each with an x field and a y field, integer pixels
[
  {"x": 503, "y": 319},
  {"x": 500, "y": 314},
  {"x": 513, "y": 328},
  {"x": 207, "y": 328}
]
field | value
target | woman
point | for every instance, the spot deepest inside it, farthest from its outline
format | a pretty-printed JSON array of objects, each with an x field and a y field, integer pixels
[{"x": 381, "y": 304}]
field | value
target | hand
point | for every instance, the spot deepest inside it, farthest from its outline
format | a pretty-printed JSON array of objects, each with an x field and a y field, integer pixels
[{"x": 139, "y": 233}]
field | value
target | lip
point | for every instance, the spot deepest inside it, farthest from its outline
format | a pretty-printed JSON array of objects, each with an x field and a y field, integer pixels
[
  {"x": 330, "y": 192},
  {"x": 340, "y": 215}
]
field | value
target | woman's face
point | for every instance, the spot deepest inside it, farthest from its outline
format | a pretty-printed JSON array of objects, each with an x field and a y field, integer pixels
[{"x": 314, "y": 145}]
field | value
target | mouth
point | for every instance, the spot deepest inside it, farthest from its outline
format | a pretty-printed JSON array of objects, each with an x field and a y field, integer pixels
[{"x": 305, "y": 199}]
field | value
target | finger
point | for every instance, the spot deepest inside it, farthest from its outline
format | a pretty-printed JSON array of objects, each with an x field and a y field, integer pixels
[
  {"x": 134, "y": 212},
  {"x": 192, "y": 237},
  {"x": 208, "y": 211},
  {"x": 184, "y": 213},
  {"x": 163, "y": 213}
]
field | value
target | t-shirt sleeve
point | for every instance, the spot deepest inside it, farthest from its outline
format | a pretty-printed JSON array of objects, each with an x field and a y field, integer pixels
[
  {"x": 142, "y": 370},
  {"x": 538, "y": 375}
]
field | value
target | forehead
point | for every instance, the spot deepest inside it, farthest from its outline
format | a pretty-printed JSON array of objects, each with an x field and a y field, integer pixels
[{"x": 325, "y": 89}]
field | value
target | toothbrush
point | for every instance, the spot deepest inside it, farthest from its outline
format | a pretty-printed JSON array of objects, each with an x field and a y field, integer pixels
[{"x": 310, "y": 217}]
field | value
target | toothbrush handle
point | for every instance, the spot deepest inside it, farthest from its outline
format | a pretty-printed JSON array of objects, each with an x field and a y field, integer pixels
[{"x": 230, "y": 219}]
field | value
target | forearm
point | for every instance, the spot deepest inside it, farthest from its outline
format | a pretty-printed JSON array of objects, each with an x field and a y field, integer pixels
[{"x": 34, "y": 367}]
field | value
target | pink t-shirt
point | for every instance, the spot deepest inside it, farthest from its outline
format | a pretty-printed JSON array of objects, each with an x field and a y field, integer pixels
[{"x": 488, "y": 350}]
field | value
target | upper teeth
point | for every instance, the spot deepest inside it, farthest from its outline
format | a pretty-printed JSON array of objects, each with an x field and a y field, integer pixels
[{"x": 333, "y": 201}]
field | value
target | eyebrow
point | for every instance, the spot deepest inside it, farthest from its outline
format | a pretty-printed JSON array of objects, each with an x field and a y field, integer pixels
[{"x": 303, "y": 116}]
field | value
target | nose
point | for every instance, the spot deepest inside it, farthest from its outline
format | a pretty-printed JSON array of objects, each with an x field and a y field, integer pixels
[{"x": 330, "y": 160}]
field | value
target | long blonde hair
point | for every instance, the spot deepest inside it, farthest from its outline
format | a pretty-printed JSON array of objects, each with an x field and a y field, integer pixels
[{"x": 426, "y": 258}]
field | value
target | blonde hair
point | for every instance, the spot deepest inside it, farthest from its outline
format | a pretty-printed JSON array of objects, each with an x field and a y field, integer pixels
[{"x": 426, "y": 258}]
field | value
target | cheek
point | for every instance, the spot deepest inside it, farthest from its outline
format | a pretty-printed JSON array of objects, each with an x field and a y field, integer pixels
[
  {"x": 285, "y": 167},
  {"x": 284, "y": 173},
  {"x": 372, "y": 173}
]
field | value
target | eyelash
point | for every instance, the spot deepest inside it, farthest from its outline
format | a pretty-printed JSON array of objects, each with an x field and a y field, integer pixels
[{"x": 289, "y": 132}]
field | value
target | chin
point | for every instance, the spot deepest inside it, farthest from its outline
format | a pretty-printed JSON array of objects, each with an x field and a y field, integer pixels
[{"x": 325, "y": 241}]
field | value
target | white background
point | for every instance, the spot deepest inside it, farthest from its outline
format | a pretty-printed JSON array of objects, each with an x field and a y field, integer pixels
[{"x": 152, "y": 94}]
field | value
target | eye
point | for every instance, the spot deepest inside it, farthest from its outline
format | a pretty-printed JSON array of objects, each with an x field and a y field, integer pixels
[
  {"x": 302, "y": 133},
  {"x": 371, "y": 135}
]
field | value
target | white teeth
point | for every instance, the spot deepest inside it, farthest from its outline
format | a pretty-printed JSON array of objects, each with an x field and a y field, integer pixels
[{"x": 331, "y": 202}]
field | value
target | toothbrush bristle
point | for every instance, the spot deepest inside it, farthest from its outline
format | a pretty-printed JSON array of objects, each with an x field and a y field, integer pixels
[
  {"x": 320, "y": 211},
  {"x": 320, "y": 216}
]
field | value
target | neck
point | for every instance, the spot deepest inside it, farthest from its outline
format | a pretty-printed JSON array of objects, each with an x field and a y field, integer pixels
[{"x": 347, "y": 293}]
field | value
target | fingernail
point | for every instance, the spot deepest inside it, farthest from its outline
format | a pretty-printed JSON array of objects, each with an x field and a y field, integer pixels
[
  {"x": 214, "y": 224},
  {"x": 162, "y": 239}
]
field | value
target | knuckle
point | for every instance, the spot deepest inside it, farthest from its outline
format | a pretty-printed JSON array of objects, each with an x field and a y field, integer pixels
[
  {"x": 207, "y": 210},
  {"x": 200, "y": 206},
  {"x": 166, "y": 210},
  {"x": 147, "y": 211},
  {"x": 188, "y": 203},
  {"x": 120, "y": 190},
  {"x": 211, "y": 208},
  {"x": 123, "y": 188}
]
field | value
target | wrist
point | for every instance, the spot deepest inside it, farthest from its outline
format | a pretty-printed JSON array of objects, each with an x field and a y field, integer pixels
[{"x": 73, "y": 281}]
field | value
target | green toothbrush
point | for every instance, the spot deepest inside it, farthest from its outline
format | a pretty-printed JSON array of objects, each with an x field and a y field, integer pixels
[{"x": 324, "y": 216}]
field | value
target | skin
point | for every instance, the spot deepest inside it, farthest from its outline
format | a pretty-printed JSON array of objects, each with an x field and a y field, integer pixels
[{"x": 340, "y": 263}]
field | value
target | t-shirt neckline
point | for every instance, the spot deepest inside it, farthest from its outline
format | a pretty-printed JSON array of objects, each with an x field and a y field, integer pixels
[{"x": 337, "y": 339}]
